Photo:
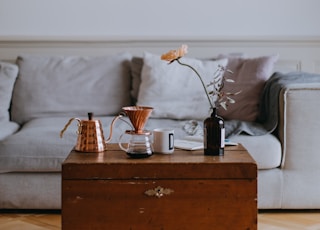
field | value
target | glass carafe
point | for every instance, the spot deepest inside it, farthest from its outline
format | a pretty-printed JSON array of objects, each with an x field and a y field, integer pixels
[{"x": 139, "y": 145}]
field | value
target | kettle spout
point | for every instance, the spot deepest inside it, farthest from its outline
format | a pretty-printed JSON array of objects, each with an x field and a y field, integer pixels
[{"x": 111, "y": 126}]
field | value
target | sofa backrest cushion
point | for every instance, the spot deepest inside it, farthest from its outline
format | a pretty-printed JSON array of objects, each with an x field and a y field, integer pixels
[
  {"x": 51, "y": 86},
  {"x": 174, "y": 90}
]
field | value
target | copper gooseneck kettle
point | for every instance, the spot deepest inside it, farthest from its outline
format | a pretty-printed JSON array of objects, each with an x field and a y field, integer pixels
[
  {"x": 91, "y": 137},
  {"x": 90, "y": 134}
]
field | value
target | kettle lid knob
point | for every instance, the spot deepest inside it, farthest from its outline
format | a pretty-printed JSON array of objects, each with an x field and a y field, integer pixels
[{"x": 90, "y": 115}]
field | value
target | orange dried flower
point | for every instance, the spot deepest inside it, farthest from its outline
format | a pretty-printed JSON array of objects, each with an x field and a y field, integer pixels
[{"x": 173, "y": 55}]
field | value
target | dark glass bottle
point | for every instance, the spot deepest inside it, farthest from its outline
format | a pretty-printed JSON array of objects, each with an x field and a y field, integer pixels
[{"x": 213, "y": 135}]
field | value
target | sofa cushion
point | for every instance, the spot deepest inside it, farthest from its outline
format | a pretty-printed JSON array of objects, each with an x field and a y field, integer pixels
[
  {"x": 8, "y": 75},
  {"x": 7, "y": 129},
  {"x": 250, "y": 75},
  {"x": 173, "y": 90},
  {"x": 37, "y": 147},
  {"x": 265, "y": 149},
  {"x": 70, "y": 86},
  {"x": 46, "y": 151}
]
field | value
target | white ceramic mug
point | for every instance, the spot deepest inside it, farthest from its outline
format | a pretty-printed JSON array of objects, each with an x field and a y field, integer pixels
[{"x": 163, "y": 140}]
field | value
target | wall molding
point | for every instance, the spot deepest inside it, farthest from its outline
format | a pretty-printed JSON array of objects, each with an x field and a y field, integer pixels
[
  {"x": 295, "y": 53},
  {"x": 126, "y": 39}
]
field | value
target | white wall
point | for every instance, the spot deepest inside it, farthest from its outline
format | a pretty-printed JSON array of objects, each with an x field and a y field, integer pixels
[{"x": 153, "y": 18}]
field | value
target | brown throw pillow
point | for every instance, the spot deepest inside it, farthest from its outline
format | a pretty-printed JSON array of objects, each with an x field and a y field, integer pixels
[{"x": 250, "y": 75}]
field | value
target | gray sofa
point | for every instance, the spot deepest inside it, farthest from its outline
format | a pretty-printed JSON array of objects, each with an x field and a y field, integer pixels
[{"x": 39, "y": 94}]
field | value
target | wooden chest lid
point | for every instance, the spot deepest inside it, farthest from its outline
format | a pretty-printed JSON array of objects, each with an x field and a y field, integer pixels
[{"x": 115, "y": 164}]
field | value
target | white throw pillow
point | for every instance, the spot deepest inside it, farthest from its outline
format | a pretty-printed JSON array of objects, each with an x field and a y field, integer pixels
[{"x": 175, "y": 91}]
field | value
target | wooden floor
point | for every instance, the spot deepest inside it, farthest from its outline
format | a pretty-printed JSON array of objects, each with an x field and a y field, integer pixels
[
  {"x": 271, "y": 220},
  {"x": 293, "y": 220}
]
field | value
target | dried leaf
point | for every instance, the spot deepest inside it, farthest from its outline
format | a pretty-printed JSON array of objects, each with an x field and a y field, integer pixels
[
  {"x": 224, "y": 105},
  {"x": 231, "y": 100}
]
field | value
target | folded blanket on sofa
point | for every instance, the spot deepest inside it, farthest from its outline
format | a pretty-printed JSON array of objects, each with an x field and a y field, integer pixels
[{"x": 269, "y": 104}]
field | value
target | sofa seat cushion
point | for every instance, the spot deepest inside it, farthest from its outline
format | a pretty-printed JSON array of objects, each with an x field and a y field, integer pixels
[
  {"x": 37, "y": 147},
  {"x": 265, "y": 150}
]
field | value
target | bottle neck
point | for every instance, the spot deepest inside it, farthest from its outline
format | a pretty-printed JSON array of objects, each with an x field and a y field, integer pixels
[{"x": 214, "y": 112}]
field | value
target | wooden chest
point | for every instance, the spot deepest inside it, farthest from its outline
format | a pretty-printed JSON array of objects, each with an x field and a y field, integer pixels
[{"x": 185, "y": 190}]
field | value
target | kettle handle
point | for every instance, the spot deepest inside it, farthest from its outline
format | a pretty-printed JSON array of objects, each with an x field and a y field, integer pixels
[{"x": 69, "y": 122}]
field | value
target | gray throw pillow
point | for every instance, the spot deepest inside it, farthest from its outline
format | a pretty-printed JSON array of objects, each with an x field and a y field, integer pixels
[
  {"x": 50, "y": 86},
  {"x": 8, "y": 75}
]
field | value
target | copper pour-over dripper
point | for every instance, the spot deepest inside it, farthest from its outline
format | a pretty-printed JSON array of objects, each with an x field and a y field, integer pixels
[{"x": 138, "y": 116}]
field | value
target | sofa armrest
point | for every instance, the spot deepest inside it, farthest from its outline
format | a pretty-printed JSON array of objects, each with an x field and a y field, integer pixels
[
  {"x": 7, "y": 128},
  {"x": 299, "y": 123}
]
